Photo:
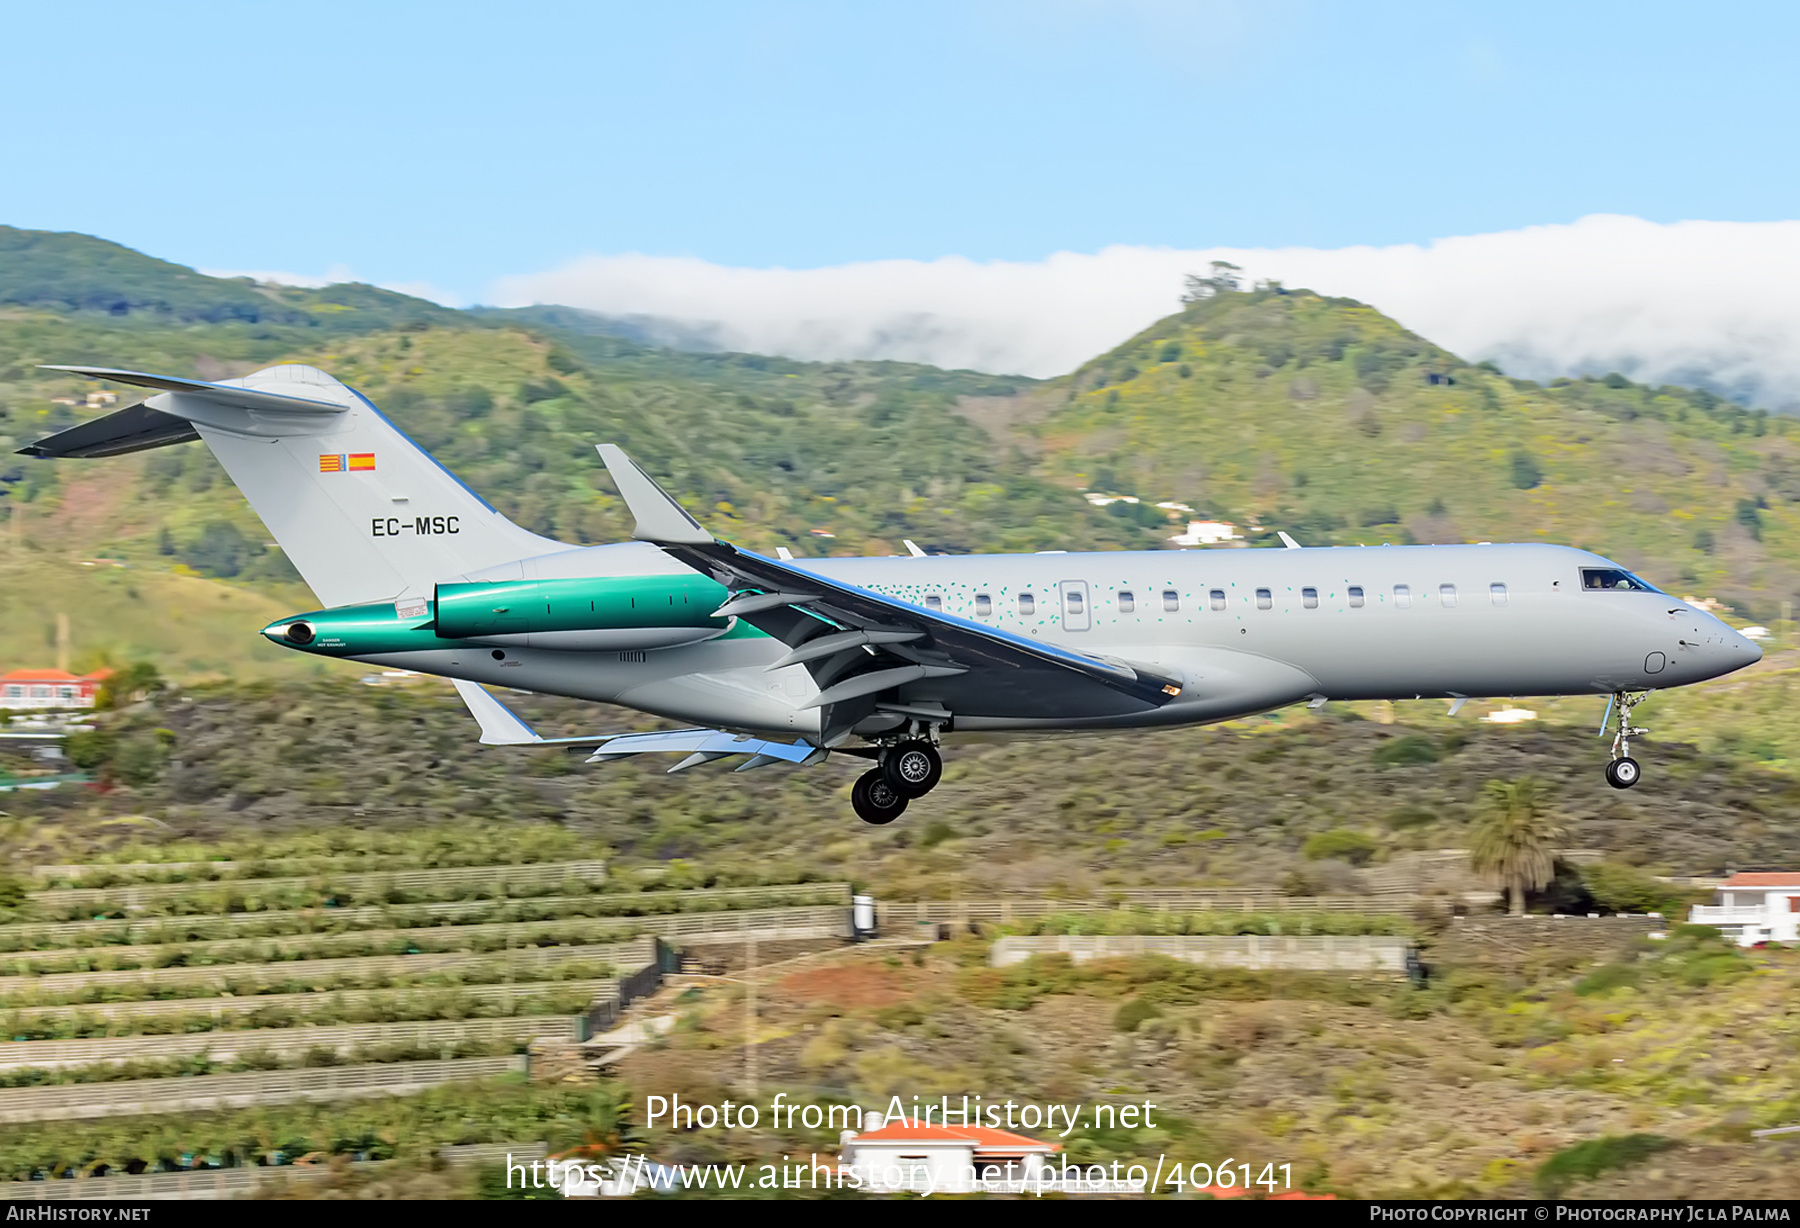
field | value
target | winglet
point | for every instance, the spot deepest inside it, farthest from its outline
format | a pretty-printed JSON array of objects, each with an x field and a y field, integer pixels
[
  {"x": 499, "y": 726},
  {"x": 659, "y": 518}
]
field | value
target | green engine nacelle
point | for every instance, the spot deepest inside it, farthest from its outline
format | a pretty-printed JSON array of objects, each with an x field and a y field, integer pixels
[{"x": 599, "y": 614}]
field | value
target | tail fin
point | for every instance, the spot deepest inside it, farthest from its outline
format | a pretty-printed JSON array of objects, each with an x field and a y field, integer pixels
[{"x": 361, "y": 511}]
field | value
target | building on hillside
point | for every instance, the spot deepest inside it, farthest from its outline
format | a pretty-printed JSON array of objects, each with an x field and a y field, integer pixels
[
  {"x": 613, "y": 1177},
  {"x": 1510, "y": 716},
  {"x": 1206, "y": 533},
  {"x": 903, "y": 1156},
  {"x": 1754, "y": 907},
  {"x": 49, "y": 688}
]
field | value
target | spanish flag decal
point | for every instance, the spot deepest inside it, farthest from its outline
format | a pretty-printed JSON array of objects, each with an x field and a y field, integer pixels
[
  {"x": 362, "y": 460},
  {"x": 350, "y": 463},
  {"x": 331, "y": 464}
]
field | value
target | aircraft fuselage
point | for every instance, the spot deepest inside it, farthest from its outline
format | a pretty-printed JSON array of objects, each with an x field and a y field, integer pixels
[{"x": 1243, "y": 630}]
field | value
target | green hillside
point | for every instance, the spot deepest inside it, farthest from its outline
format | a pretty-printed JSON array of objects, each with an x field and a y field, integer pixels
[
  {"x": 1322, "y": 417},
  {"x": 79, "y": 273}
]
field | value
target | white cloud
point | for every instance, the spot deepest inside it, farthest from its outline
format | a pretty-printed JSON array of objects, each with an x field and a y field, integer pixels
[
  {"x": 1693, "y": 302},
  {"x": 337, "y": 275}
]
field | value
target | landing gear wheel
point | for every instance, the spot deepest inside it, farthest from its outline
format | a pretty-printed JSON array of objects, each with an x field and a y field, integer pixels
[
  {"x": 875, "y": 800},
  {"x": 912, "y": 769},
  {"x": 1623, "y": 773}
]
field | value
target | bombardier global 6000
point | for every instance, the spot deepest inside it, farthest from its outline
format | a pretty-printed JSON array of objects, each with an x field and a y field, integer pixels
[{"x": 784, "y": 661}]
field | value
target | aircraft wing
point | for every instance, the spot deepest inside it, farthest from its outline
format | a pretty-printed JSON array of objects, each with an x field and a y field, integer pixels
[{"x": 867, "y": 651}]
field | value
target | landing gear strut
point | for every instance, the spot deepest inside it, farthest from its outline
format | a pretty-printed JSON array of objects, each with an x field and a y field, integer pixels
[{"x": 1623, "y": 771}]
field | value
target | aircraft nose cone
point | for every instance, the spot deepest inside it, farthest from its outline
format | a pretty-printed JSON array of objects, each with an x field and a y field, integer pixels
[{"x": 1747, "y": 650}]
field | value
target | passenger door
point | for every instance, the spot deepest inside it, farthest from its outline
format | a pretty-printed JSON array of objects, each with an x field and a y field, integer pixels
[{"x": 1075, "y": 615}]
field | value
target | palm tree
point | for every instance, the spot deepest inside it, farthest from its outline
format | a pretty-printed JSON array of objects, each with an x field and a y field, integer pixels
[{"x": 1514, "y": 840}]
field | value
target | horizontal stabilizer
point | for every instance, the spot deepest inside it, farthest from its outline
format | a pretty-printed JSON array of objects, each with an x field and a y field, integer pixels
[
  {"x": 704, "y": 745},
  {"x": 223, "y": 394},
  {"x": 132, "y": 429}
]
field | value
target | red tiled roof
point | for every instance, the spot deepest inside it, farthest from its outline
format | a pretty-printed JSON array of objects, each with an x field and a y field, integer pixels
[
  {"x": 53, "y": 675},
  {"x": 1784, "y": 878},
  {"x": 984, "y": 1138}
]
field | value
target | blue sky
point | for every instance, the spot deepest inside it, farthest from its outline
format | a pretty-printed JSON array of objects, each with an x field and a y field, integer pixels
[{"x": 454, "y": 144}]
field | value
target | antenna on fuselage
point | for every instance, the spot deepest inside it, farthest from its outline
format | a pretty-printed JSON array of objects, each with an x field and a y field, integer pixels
[
  {"x": 912, "y": 547},
  {"x": 784, "y": 554},
  {"x": 1287, "y": 541}
]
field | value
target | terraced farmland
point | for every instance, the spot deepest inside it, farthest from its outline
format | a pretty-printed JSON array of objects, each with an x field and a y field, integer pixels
[{"x": 183, "y": 994}]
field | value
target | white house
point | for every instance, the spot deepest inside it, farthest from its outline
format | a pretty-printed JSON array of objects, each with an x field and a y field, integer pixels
[
  {"x": 1206, "y": 533},
  {"x": 902, "y": 1156},
  {"x": 1510, "y": 716},
  {"x": 1753, "y": 908}
]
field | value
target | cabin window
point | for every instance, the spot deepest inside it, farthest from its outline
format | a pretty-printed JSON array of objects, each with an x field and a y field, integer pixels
[
  {"x": 1171, "y": 601},
  {"x": 1497, "y": 594},
  {"x": 1218, "y": 598},
  {"x": 1447, "y": 595},
  {"x": 934, "y": 602},
  {"x": 1356, "y": 597},
  {"x": 1027, "y": 604},
  {"x": 1264, "y": 599},
  {"x": 1402, "y": 596},
  {"x": 1072, "y": 600},
  {"x": 984, "y": 605},
  {"x": 1127, "y": 601},
  {"x": 1309, "y": 597}
]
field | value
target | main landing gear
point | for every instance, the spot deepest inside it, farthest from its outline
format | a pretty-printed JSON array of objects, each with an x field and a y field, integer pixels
[
  {"x": 1623, "y": 771},
  {"x": 875, "y": 800},
  {"x": 906, "y": 769}
]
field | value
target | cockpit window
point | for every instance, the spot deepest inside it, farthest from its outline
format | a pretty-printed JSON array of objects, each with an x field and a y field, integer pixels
[{"x": 1615, "y": 580}]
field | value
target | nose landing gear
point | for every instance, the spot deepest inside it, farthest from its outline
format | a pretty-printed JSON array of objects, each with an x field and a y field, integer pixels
[{"x": 1623, "y": 771}]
